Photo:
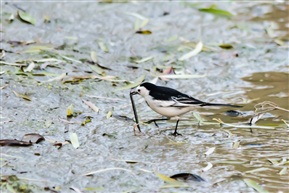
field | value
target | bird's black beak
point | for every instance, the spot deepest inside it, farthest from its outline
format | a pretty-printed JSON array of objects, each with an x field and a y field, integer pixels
[{"x": 133, "y": 92}]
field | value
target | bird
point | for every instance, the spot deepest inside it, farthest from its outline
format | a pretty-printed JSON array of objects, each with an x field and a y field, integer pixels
[{"x": 169, "y": 102}]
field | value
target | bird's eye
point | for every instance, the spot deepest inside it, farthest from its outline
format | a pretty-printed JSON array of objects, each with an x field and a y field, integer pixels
[{"x": 138, "y": 90}]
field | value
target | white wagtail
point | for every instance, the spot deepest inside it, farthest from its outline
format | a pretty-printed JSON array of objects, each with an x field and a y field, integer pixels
[{"x": 169, "y": 102}]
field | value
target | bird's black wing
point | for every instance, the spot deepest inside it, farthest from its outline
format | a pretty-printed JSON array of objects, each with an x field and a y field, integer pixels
[
  {"x": 169, "y": 94},
  {"x": 187, "y": 100},
  {"x": 171, "y": 97}
]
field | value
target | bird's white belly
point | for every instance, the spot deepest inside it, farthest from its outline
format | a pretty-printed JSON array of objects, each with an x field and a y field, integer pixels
[{"x": 167, "y": 110}]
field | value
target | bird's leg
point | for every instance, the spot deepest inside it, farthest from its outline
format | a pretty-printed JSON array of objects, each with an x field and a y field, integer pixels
[
  {"x": 175, "y": 133},
  {"x": 155, "y": 121}
]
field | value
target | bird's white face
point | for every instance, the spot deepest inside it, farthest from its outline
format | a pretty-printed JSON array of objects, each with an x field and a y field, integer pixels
[{"x": 141, "y": 90}]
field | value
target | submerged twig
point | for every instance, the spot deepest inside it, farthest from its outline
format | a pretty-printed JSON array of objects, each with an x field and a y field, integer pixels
[
  {"x": 241, "y": 126},
  {"x": 262, "y": 108},
  {"x": 134, "y": 111},
  {"x": 267, "y": 106}
]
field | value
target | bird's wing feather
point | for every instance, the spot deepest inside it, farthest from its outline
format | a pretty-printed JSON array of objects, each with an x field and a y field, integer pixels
[
  {"x": 165, "y": 103},
  {"x": 173, "y": 98},
  {"x": 185, "y": 100}
]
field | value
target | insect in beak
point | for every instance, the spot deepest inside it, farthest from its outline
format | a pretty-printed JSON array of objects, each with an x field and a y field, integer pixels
[{"x": 133, "y": 92}]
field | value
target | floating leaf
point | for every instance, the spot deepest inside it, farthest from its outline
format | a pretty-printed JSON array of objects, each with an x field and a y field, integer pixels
[
  {"x": 218, "y": 12},
  {"x": 91, "y": 105},
  {"x": 134, "y": 84},
  {"x": 209, "y": 166},
  {"x": 14, "y": 142},
  {"x": 38, "y": 48},
  {"x": 109, "y": 114},
  {"x": 2, "y": 54},
  {"x": 85, "y": 121},
  {"x": 93, "y": 56},
  {"x": 33, "y": 138},
  {"x": 12, "y": 64},
  {"x": 74, "y": 140},
  {"x": 144, "y": 59},
  {"x": 46, "y": 19},
  {"x": 11, "y": 17},
  {"x": 253, "y": 184},
  {"x": 274, "y": 161},
  {"x": 140, "y": 22},
  {"x": 283, "y": 171},
  {"x": 103, "y": 46},
  {"x": 144, "y": 32},
  {"x": 70, "y": 59},
  {"x": 226, "y": 46},
  {"x": 287, "y": 124},
  {"x": 58, "y": 78},
  {"x": 137, "y": 15},
  {"x": 98, "y": 70},
  {"x": 69, "y": 111},
  {"x": 94, "y": 189},
  {"x": 26, "y": 17},
  {"x": 210, "y": 151},
  {"x": 280, "y": 42},
  {"x": 30, "y": 67},
  {"x": 256, "y": 170},
  {"x": 167, "y": 179},
  {"x": 4, "y": 86},
  {"x": 236, "y": 144},
  {"x": 25, "y": 97},
  {"x": 197, "y": 50}
]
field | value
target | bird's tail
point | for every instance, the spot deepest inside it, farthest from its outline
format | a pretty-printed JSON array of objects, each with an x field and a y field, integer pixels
[{"x": 220, "y": 104}]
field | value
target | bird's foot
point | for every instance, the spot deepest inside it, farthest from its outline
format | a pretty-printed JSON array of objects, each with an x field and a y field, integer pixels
[
  {"x": 136, "y": 130},
  {"x": 176, "y": 134}
]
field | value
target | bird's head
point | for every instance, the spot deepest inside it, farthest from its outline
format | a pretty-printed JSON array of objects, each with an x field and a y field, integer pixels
[{"x": 143, "y": 89}]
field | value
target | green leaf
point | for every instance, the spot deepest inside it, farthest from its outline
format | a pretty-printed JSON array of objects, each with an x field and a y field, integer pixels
[
  {"x": 226, "y": 46},
  {"x": 69, "y": 111},
  {"x": 218, "y": 12},
  {"x": 253, "y": 184},
  {"x": 167, "y": 179},
  {"x": 144, "y": 32},
  {"x": 74, "y": 140},
  {"x": 134, "y": 84},
  {"x": 26, "y": 17}
]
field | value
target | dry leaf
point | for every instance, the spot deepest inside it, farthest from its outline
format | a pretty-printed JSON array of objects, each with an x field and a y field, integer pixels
[{"x": 91, "y": 105}]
